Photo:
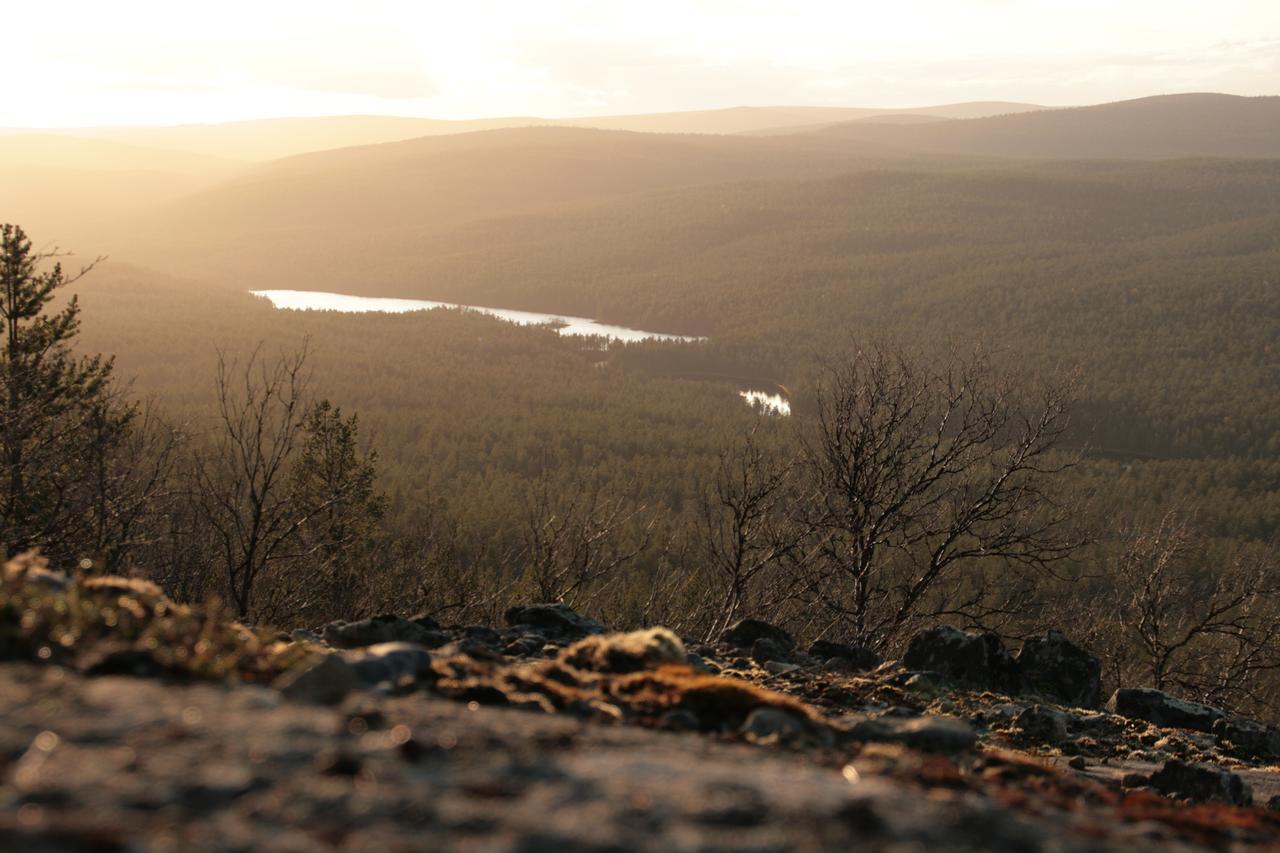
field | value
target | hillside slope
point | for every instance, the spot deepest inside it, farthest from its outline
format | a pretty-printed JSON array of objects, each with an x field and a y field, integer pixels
[{"x": 1194, "y": 125}]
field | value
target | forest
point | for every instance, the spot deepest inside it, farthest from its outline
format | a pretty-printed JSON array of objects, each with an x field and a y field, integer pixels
[{"x": 1132, "y": 303}]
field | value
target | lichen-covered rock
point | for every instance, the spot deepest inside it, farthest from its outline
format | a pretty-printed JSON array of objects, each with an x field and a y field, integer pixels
[
  {"x": 858, "y": 658},
  {"x": 382, "y": 629},
  {"x": 979, "y": 660},
  {"x": 554, "y": 621},
  {"x": 630, "y": 652},
  {"x": 1158, "y": 707},
  {"x": 745, "y": 632},
  {"x": 1199, "y": 782},
  {"x": 1058, "y": 669}
]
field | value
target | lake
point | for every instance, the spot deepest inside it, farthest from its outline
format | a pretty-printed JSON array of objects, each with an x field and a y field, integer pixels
[
  {"x": 767, "y": 403},
  {"x": 307, "y": 300}
]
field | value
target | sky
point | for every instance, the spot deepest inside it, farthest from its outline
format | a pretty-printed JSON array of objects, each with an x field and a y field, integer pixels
[{"x": 155, "y": 62}]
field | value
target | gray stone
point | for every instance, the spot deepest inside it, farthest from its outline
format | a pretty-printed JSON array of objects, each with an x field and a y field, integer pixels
[
  {"x": 389, "y": 663},
  {"x": 744, "y": 634},
  {"x": 1045, "y": 725},
  {"x": 1247, "y": 738},
  {"x": 1057, "y": 669},
  {"x": 1154, "y": 706},
  {"x": 858, "y": 658},
  {"x": 777, "y": 667},
  {"x": 1200, "y": 782},
  {"x": 381, "y": 629},
  {"x": 766, "y": 649},
  {"x": 766, "y": 725},
  {"x": 327, "y": 681},
  {"x": 945, "y": 735},
  {"x": 978, "y": 660}
]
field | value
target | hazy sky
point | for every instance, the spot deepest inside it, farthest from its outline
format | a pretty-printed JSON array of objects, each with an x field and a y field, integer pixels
[{"x": 173, "y": 61}]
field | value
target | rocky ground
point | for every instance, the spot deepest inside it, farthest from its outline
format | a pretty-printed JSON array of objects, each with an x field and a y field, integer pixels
[{"x": 135, "y": 724}]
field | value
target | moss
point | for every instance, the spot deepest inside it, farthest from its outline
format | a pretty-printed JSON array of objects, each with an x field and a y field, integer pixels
[{"x": 50, "y": 618}]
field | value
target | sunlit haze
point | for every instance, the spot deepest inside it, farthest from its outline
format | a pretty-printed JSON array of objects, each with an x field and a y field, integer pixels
[{"x": 154, "y": 62}]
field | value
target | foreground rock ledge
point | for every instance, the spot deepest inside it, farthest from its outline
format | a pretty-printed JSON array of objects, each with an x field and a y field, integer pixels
[{"x": 125, "y": 764}]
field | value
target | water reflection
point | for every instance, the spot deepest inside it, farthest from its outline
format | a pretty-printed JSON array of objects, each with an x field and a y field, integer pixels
[
  {"x": 767, "y": 403},
  {"x": 306, "y": 300}
]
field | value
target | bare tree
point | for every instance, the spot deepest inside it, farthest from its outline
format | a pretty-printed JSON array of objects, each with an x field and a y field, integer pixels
[
  {"x": 249, "y": 486},
  {"x": 1206, "y": 627},
  {"x": 576, "y": 539},
  {"x": 925, "y": 487},
  {"x": 131, "y": 485},
  {"x": 748, "y": 532}
]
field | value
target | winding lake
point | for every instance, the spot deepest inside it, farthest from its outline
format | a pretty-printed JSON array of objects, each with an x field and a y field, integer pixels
[
  {"x": 306, "y": 300},
  {"x": 764, "y": 402}
]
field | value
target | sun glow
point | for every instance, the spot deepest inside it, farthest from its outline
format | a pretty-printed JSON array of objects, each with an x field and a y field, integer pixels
[{"x": 151, "y": 62}]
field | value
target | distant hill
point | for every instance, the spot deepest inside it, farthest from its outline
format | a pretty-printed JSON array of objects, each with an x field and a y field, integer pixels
[
  {"x": 443, "y": 180},
  {"x": 1167, "y": 126},
  {"x": 282, "y": 137},
  {"x": 51, "y": 181}
]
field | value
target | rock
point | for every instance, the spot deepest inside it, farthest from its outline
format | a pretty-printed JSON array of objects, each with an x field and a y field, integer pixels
[
  {"x": 483, "y": 635},
  {"x": 1077, "y": 763},
  {"x": 1200, "y": 782},
  {"x": 381, "y": 629},
  {"x": 681, "y": 720},
  {"x": 125, "y": 660},
  {"x": 389, "y": 663},
  {"x": 777, "y": 667},
  {"x": 1134, "y": 780},
  {"x": 1044, "y": 724},
  {"x": 1058, "y": 669},
  {"x": 979, "y": 660},
  {"x": 744, "y": 634},
  {"x": 1247, "y": 738},
  {"x": 766, "y": 649},
  {"x": 858, "y": 658},
  {"x": 945, "y": 735},
  {"x": 555, "y": 621},
  {"x": 1154, "y": 706},
  {"x": 1273, "y": 803},
  {"x": 327, "y": 681},
  {"x": 425, "y": 620},
  {"x": 29, "y": 567},
  {"x": 769, "y": 725},
  {"x": 622, "y": 653}
]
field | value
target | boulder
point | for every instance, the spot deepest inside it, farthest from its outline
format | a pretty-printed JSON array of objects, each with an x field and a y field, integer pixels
[
  {"x": 858, "y": 658},
  {"x": 382, "y": 629},
  {"x": 1058, "y": 669},
  {"x": 1247, "y": 739},
  {"x": 979, "y": 660},
  {"x": 1200, "y": 782},
  {"x": 554, "y": 621},
  {"x": 744, "y": 634},
  {"x": 1155, "y": 706}
]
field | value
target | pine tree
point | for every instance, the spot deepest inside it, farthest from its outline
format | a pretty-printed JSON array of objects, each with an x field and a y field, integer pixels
[{"x": 52, "y": 403}]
